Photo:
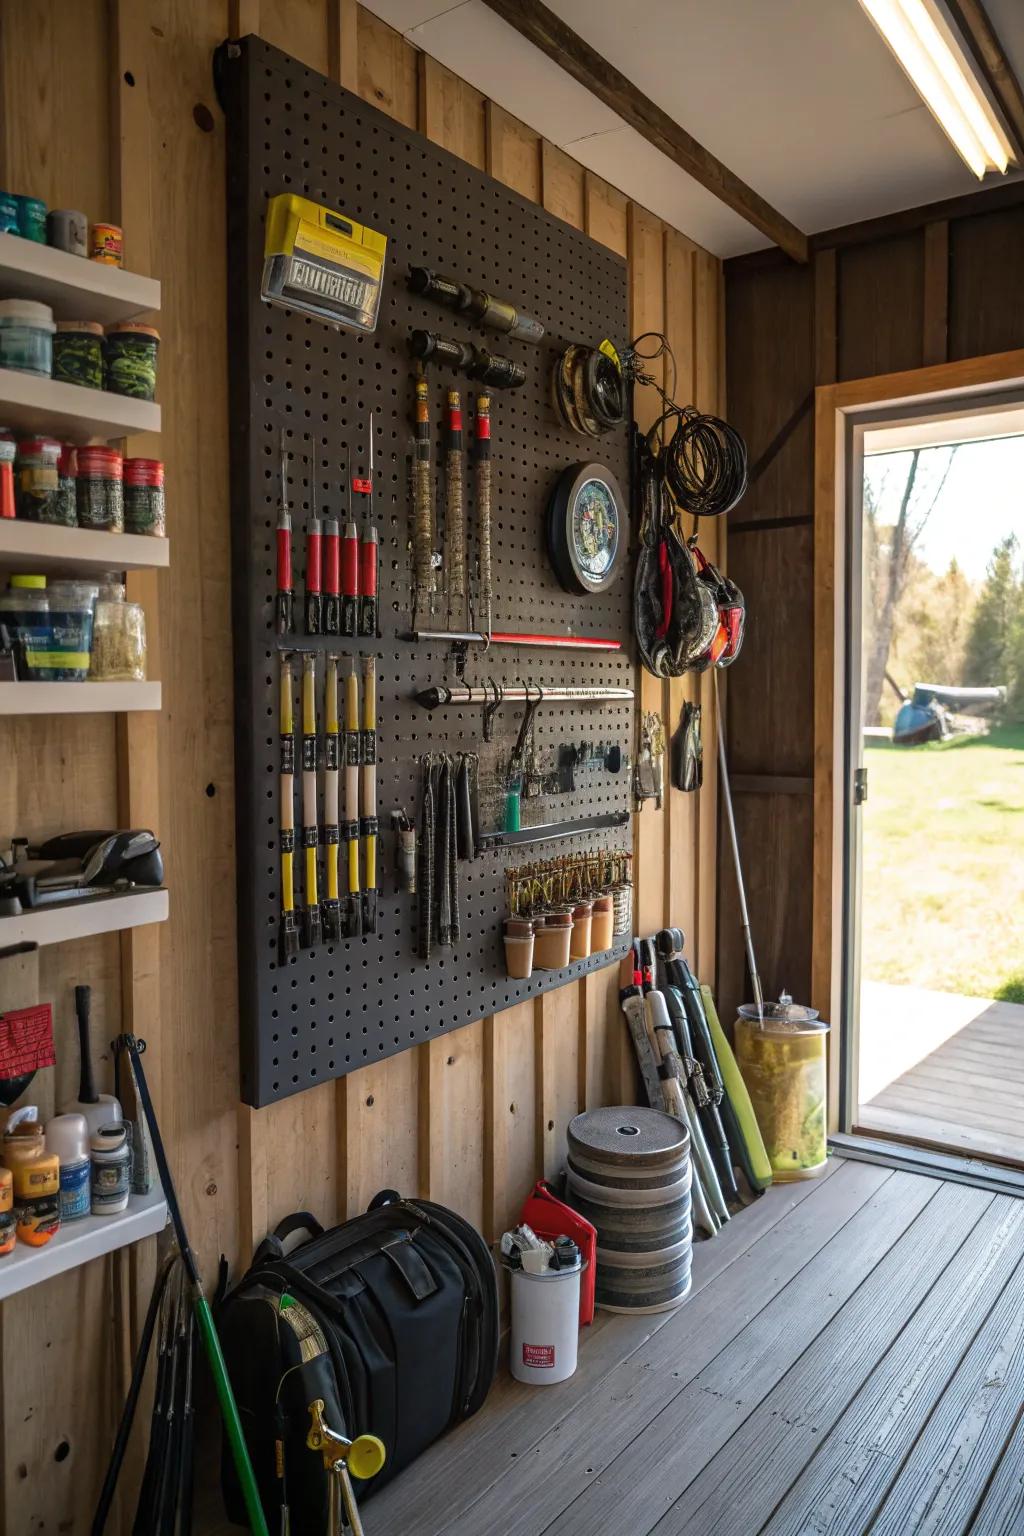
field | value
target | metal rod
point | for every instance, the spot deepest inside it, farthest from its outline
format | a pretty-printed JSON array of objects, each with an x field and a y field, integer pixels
[
  {"x": 547, "y": 831},
  {"x": 508, "y": 637},
  {"x": 435, "y": 698},
  {"x": 748, "y": 938}
]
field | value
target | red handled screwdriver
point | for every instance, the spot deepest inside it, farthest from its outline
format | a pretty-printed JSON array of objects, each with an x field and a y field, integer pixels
[
  {"x": 369, "y": 554},
  {"x": 314, "y": 536},
  {"x": 349, "y": 569},
  {"x": 332, "y": 575},
  {"x": 283, "y": 606}
]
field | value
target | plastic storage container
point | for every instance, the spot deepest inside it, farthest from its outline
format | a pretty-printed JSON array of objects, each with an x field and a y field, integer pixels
[
  {"x": 66, "y": 657},
  {"x": 583, "y": 915},
  {"x": 784, "y": 1067},
  {"x": 37, "y": 479},
  {"x": 26, "y": 336},
  {"x": 111, "y": 1158},
  {"x": 552, "y": 942},
  {"x": 25, "y": 614},
  {"x": 100, "y": 489},
  {"x": 119, "y": 643},
  {"x": 31, "y": 218},
  {"x": 78, "y": 353},
  {"x": 602, "y": 924},
  {"x": 544, "y": 1330},
  {"x": 131, "y": 359}
]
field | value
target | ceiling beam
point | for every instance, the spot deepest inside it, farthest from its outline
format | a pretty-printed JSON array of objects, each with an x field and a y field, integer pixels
[
  {"x": 990, "y": 56},
  {"x": 549, "y": 33}
]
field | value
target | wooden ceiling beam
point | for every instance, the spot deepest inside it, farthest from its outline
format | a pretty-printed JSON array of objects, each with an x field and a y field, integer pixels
[
  {"x": 971, "y": 17},
  {"x": 552, "y": 36}
]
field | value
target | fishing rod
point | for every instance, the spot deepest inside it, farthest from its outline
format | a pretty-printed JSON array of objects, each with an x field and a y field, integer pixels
[
  {"x": 510, "y": 637},
  {"x": 748, "y": 938}
]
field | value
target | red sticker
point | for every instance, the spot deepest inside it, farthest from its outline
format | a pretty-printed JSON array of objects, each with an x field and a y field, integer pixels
[
  {"x": 540, "y": 1356},
  {"x": 363, "y": 487},
  {"x": 26, "y": 1040},
  {"x": 483, "y": 426}
]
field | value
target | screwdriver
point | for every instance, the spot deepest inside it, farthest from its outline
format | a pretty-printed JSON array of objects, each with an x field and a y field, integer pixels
[
  {"x": 354, "y": 911},
  {"x": 368, "y": 824},
  {"x": 349, "y": 569},
  {"x": 369, "y": 553},
  {"x": 283, "y": 608},
  {"x": 314, "y": 601},
  {"x": 332, "y": 764},
  {"x": 288, "y": 939},
  {"x": 310, "y": 830},
  {"x": 332, "y": 575}
]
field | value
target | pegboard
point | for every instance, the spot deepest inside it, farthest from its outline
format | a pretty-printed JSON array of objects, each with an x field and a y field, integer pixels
[{"x": 340, "y": 1006}]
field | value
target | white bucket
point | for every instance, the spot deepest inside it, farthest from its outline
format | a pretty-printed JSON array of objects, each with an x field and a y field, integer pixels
[{"x": 545, "y": 1325}]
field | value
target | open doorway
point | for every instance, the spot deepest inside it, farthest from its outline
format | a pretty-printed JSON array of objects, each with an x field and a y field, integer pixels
[{"x": 935, "y": 962}]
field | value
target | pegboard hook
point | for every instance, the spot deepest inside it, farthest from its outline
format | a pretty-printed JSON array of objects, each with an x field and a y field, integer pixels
[{"x": 490, "y": 710}]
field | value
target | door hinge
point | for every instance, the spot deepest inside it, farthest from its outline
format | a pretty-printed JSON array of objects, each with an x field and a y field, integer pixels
[{"x": 860, "y": 786}]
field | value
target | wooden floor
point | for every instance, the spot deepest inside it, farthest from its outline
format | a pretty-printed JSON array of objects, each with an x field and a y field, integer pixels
[
  {"x": 967, "y": 1093},
  {"x": 850, "y": 1360}
]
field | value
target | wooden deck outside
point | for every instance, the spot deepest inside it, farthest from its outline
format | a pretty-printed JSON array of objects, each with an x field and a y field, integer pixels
[
  {"x": 850, "y": 1360},
  {"x": 963, "y": 1087}
]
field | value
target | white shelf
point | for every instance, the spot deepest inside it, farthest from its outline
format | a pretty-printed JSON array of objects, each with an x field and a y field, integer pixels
[
  {"x": 74, "y": 288},
  {"x": 29, "y": 403},
  {"x": 26, "y": 546},
  {"x": 82, "y": 919},
  {"x": 79, "y": 1241},
  {"x": 83, "y": 698}
]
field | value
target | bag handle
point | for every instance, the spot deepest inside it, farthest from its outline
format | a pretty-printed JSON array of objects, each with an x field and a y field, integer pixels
[
  {"x": 272, "y": 1246},
  {"x": 382, "y": 1198}
]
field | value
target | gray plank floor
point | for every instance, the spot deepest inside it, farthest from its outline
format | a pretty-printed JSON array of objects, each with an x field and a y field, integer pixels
[{"x": 850, "y": 1360}]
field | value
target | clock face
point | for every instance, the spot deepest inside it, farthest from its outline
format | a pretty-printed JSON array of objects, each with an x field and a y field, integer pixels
[{"x": 594, "y": 530}]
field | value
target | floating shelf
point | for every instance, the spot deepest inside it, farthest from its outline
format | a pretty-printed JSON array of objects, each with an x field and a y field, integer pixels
[
  {"x": 82, "y": 919},
  {"x": 77, "y": 698},
  {"x": 26, "y": 546},
  {"x": 79, "y": 1241},
  {"x": 74, "y": 288},
  {"x": 33, "y": 404}
]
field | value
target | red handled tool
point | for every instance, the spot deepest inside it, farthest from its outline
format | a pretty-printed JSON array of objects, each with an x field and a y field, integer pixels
[
  {"x": 314, "y": 569},
  {"x": 349, "y": 569},
  {"x": 369, "y": 554},
  {"x": 284, "y": 604},
  {"x": 332, "y": 575}
]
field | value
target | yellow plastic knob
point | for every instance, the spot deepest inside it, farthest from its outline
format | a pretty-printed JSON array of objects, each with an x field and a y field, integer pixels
[{"x": 366, "y": 1456}]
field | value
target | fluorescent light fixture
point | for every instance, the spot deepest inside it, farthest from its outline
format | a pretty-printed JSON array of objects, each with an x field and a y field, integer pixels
[{"x": 923, "y": 45}]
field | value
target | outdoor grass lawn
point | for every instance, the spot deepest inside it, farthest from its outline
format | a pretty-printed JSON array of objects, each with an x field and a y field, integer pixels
[{"x": 943, "y": 902}]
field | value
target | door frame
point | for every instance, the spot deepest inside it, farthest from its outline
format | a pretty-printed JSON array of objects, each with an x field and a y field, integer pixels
[{"x": 840, "y": 410}]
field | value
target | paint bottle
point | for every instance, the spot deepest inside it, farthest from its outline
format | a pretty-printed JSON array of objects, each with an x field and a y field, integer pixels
[
  {"x": 68, "y": 1137},
  {"x": 111, "y": 1158}
]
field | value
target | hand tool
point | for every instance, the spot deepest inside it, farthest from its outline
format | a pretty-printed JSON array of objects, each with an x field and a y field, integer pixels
[
  {"x": 314, "y": 535},
  {"x": 349, "y": 568},
  {"x": 445, "y": 808},
  {"x": 354, "y": 908},
  {"x": 438, "y": 698},
  {"x": 369, "y": 553},
  {"x": 310, "y": 826},
  {"x": 425, "y": 871},
  {"x": 748, "y": 938},
  {"x": 368, "y": 825},
  {"x": 366, "y": 1455},
  {"x": 546, "y": 832},
  {"x": 464, "y": 778},
  {"x": 455, "y": 512},
  {"x": 201, "y": 1308},
  {"x": 405, "y": 850},
  {"x": 631, "y": 1001},
  {"x": 332, "y": 766},
  {"x": 482, "y": 463},
  {"x": 477, "y": 362},
  {"x": 491, "y": 708},
  {"x": 98, "y": 1108},
  {"x": 474, "y": 304},
  {"x": 422, "y": 499},
  {"x": 332, "y": 575},
  {"x": 288, "y": 937},
  {"x": 673, "y": 1079},
  {"x": 285, "y": 600},
  {"x": 514, "y": 777}
]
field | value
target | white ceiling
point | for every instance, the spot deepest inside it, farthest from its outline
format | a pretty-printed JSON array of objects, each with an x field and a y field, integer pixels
[{"x": 799, "y": 98}]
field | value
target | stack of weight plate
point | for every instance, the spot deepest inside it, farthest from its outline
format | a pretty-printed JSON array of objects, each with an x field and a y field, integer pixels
[{"x": 629, "y": 1174}]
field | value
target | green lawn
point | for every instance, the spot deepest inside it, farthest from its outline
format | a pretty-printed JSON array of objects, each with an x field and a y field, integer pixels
[{"x": 943, "y": 903}]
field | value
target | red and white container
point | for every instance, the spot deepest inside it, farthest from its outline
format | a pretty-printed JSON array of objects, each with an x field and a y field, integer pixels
[{"x": 545, "y": 1324}]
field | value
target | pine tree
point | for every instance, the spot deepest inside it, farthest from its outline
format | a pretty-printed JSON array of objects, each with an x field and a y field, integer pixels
[{"x": 989, "y": 657}]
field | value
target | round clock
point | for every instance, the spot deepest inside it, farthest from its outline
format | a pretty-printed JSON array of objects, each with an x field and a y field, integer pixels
[{"x": 588, "y": 533}]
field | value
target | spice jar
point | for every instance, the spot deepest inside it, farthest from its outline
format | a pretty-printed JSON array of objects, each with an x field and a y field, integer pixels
[
  {"x": 78, "y": 353},
  {"x": 26, "y": 336},
  {"x": 8, "y": 1231},
  {"x": 106, "y": 244},
  {"x": 131, "y": 359},
  {"x": 119, "y": 643},
  {"x": 8, "y": 453},
  {"x": 111, "y": 1158},
  {"x": 100, "y": 489},
  {"x": 144, "y": 497},
  {"x": 37, "y": 479}
]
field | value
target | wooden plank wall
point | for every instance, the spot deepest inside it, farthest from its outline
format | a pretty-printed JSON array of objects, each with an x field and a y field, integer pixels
[
  {"x": 109, "y": 106},
  {"x": 929, "y": 286}
]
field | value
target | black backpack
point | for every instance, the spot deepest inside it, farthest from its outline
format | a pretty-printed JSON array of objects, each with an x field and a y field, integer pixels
[{"x": 391, "y": 1319}]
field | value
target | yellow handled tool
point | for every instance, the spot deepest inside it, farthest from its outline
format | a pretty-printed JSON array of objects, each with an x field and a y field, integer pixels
[
  {"x": 353, "y": 911},
  {"x": 362, "y": 1457},
  {"x": 368, "y": 824},
  {"x": 332, "y": 773},
  {"x": 310, "y": 827},
  {"x": 288, "y": 938}
]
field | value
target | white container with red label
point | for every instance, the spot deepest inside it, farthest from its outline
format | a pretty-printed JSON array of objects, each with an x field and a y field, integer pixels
[{"x": 545, "y": 1324}]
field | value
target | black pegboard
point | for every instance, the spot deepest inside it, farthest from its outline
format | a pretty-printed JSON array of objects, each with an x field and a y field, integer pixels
[{"x": 338, "y": 1007}]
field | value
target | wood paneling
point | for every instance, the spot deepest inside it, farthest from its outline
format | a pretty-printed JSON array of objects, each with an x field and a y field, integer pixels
[
  {"x": 986, "y": 258},
  {"x": 881, "y": 309},
  {"x": 471, "y": 1119}
]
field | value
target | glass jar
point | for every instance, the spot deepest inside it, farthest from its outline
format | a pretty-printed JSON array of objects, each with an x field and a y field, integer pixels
[
  {"x": 37, "y": 478},
  {"x": 131, "y": 359},
  {"x": 100, "y": 489},
  {"x": 64, "y": 509},
  {"x": 144, "y": 497},
  {"x": 119, "y": 643},
  {"x": 78, "y": 353},
  {"x": 26, "y": 336}
]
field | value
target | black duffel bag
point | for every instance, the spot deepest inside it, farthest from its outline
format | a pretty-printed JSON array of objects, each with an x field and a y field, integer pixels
[{"x": 391, "y": 1319}]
